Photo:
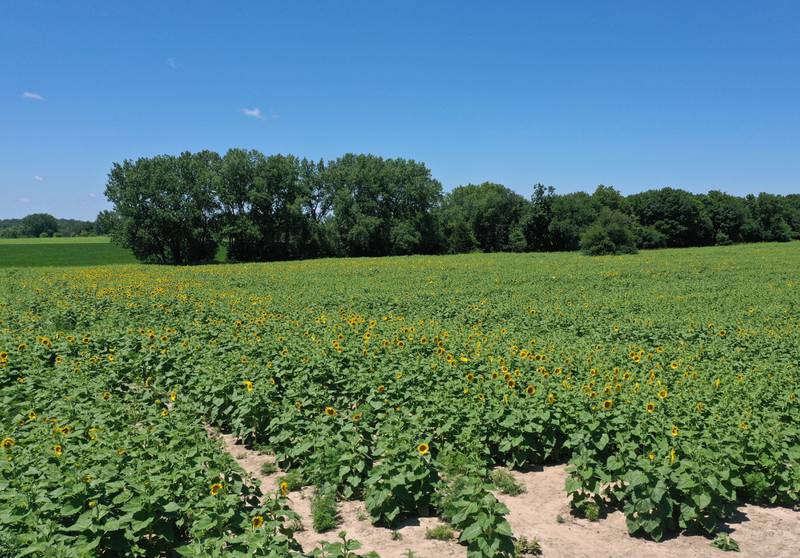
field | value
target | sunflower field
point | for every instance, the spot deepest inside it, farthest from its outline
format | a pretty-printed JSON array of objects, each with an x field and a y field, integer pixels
[{"x": 668, "y": 381}]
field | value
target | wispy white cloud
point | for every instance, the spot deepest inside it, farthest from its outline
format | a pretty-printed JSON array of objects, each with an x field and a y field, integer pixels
[
  {"x": 38, "y": 178},
  {"x": 92, "y": 195},
  {"x": 32, "y": 96},
  {"x": 24, "y": 200},
  {"x": 274, "y": 115},
  {"x": 254, "y": 112},
  {"x": 172, "y": 63}
]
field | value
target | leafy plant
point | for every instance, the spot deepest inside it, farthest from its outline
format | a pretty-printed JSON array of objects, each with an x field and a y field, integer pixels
[
  {"x": 723, "y": 541},
  {"x": 324, "y": 514},
  {"x": 524, "y": 546},
  {"x": 506, "y": 483},
  {"x": 439, "y": 533}
]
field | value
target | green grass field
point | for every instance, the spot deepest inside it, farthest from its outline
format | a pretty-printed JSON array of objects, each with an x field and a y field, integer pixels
[
  {"x": 65, "y": 252},
  {"x": 58, "y": 240},
  {"x": 60, "y": 252}
]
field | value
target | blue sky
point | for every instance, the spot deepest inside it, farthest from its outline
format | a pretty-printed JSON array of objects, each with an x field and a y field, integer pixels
[{"x": 639, "y": 94}]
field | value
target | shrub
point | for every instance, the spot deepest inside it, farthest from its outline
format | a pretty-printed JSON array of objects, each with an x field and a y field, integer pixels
[
  {"x": 506, "y": 483},
  {"x": 611, "y": 233},
  {"x": 324, "y": 515}
]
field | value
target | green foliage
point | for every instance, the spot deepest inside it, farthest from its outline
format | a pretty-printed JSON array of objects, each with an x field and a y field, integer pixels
[
  {"x": 166, "y": 207},
  {"x": 324, "y": 513},
  {"x": 44, "y": 225},
  {"x": 611, "y": 233},
  {"x": 268, "y": 467},
  {"x": 467, "y": 504},
  {"x": 525, "y": 547},
  {"x": 591, "y": 511},
  {"x": 381, "y": 206},
  {"x": 171, "y": 209},
  {"x": 400, "y": 484},
  {"x": 667, "y": 382},
  {"x": 343, "y": 548},
  {"x": 676, "y": 214},
  {"x": 723, "y": 541},
  {"x": 39, "y": 225},
  {"x": 490, "y": 212},
  {"x": 292, "y": 480},
  {"x": 61, "y": 252},
  {"x": 506, "y": 483},
  {"x": 439, "y": 533}
]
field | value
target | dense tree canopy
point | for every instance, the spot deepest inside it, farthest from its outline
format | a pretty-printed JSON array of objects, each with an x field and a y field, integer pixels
[
  {"x": 278, "y": 207},
  {"x": 492, "y": 214},
  {"x": 167, "y": 207},
  {"x": 43, "y": 225}
]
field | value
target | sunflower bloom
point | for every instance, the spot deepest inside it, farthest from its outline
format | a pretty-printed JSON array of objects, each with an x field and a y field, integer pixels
[
  {"x": 215, "y": 488},
  {"x": 258, "y": 522},
  {"x": 423, "y": 448},
  {"x": 330, "y": 411}
]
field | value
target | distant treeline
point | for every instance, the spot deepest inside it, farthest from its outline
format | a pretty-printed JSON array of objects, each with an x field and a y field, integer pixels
[
  {"x": 39, "y": 225},
  {"x": 178, "y": 209}
]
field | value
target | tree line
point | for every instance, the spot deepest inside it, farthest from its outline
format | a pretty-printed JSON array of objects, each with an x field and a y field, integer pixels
[
  {"x": 180, "y": 209},
  {"x": 43, "y": 225}
]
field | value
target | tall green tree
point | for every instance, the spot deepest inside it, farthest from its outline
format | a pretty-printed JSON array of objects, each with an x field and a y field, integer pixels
[
  {"x": 677, "y": 214},
  {"x": 572, "y": 214},
  {"x": 167, "y": 207},
  {"x": 611, "y": 233},
  {"x": 39, "y": 224},
  {"x": 536, "y": 218},
  {"x": 770, "y": 218},
  {"x": 729, "y": 216},
  {"x": 382, "y": 206},
  {"x": 491, "y": 211}
]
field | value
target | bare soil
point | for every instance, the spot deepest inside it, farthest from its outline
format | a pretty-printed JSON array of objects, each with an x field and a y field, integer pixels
[{"x": 760, "y": 531}]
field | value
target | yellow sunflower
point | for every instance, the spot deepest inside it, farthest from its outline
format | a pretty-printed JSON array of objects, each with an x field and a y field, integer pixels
[{"x": 530, "y": 390}]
